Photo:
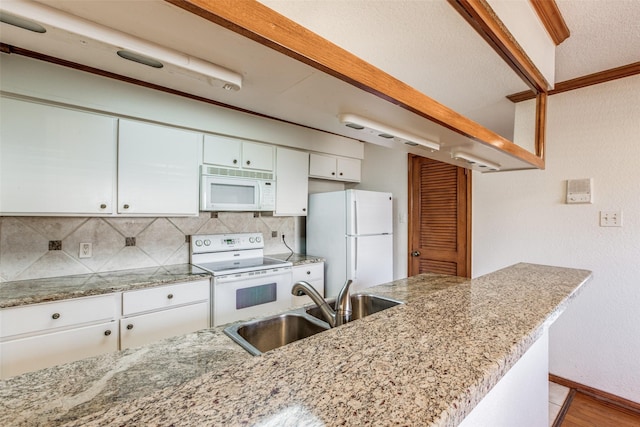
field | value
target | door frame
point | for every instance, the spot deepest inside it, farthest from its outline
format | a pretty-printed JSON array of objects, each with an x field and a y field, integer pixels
[{"x": 464, "y": 222}]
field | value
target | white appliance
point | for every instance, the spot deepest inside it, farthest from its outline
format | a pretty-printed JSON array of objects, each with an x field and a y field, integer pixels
[
  {"x": 235, "y": 190},
  {"x": 245, "y": 283},
  {"x": 353, "y": 231}
]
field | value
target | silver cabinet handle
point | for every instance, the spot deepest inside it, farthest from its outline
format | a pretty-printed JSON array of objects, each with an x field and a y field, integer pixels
[{"x": 55, "y": 316}]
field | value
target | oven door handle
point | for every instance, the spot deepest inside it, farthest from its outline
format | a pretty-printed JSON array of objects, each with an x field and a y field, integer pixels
[{"x": 230, "y": 278}]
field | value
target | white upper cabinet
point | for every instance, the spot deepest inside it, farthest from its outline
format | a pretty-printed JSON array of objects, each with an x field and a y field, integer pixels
[
  {"x": 292, "y": 182},
  {"x": 336, "y": 168},
  {"x": 236, "y": 153},
  {"x": 157, "y": 169},
  {"x": 55, "y": 160}
]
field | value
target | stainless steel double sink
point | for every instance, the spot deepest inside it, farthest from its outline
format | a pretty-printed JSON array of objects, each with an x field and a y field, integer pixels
[{"x": 262, "y": 335}]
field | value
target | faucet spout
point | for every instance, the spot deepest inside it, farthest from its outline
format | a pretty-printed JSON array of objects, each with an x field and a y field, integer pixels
[{"x": 341, "y": 315}]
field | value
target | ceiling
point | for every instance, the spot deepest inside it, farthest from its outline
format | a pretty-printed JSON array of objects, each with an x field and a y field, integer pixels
[{"x": 423, "y": 43}]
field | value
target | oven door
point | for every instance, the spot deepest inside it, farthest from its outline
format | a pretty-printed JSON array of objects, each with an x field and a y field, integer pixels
[{"x": 258, "y": 293}]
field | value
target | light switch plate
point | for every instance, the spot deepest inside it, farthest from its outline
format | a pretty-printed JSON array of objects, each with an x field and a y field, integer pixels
[
  {"x": 86, "y": 250},
  {"x": 610, "y": 218}
]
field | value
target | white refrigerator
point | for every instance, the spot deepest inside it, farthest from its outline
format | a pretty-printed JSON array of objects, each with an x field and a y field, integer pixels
[{"x": 353, "y": 231}]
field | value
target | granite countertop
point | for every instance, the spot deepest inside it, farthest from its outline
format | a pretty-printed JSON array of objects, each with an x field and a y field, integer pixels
[
  {"x": 297, "y": 259},
  {"x": 23, "y": 292},
  {"x": 426, "y": 362},
  {"x": 35, "y": 291}
]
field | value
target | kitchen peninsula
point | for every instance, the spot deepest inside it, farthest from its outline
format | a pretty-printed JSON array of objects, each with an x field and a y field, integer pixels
[{"x": 426, "y": 362}]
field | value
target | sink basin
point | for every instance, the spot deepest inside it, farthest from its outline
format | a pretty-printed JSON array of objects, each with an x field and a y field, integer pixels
[
  {"x": 362, "y": 305},
  {"x": 262, "y": 335}
]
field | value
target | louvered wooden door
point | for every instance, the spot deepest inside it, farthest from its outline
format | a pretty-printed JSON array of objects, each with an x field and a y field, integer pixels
[{"x": 440, "y": 218}]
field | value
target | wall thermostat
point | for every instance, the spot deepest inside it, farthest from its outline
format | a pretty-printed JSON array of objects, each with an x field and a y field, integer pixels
[{"x": 579, "y": 190}]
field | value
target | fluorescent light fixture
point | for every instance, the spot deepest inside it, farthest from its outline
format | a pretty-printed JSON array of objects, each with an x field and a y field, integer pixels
[
  {"x": 137, "y": 50},
  {"x": 473, "y": 160},
  {"x": 25, "y": 24},
  {"x": 387, "y": 132}
]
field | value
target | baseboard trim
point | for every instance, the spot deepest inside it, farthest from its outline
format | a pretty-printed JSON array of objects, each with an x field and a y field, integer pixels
[{"x": 608, "y": 398}]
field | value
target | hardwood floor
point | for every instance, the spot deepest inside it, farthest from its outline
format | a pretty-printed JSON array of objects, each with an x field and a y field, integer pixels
[{"x": 587, "y": 411}]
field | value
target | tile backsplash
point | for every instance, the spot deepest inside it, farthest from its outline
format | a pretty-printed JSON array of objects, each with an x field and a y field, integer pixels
[{"x": 38, "y": 247}]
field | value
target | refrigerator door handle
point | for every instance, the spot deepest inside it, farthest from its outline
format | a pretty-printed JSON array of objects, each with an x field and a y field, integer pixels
[
  {"x": 355, "y": 263},
  {"x": 355, "y": 216}
]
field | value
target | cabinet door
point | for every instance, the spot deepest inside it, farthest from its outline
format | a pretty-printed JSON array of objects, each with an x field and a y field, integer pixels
[
  {"x": 222, "y": 151},
  {"x": 257, "y": 156},
  {"x": 55, "y": 160},
  {"x": 348, "y": 169},
  {"x": 321, "y": 166},
  {"x": 42, "y": 351},
  {"x": 146, "y": 328},
  {"x": 292, "y": 182},
  {"x": 157, "y": 170},
  {"x": 312, "y": 274}
]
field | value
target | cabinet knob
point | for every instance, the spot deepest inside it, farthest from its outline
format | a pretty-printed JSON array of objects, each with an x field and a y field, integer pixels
[
  {"x": 170, "y": 296},
  {"x": 129, "y": 326},
  {"x": 107, "y": 332},
  {"x": 235, "y": 161},
  {"x": 304, "y": 209},
  {"x": 308, "y": 272},
  {"x": 340, "y": 173},
  {"x": 415, "y": 253},
  {"x": 333, "y": 173},
  {"x": 55, "y": 316},
  {"x": 248, "y": 162},
  {"x": 103, "y": 206},
  {"x": 126, "y": 206}
]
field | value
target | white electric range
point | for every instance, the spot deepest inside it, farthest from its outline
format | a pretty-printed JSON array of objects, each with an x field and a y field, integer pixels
[{"x": 245, "y": 283}]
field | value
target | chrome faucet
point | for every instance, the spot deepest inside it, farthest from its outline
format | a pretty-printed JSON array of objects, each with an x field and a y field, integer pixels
[{"x": 341, "y": 315}]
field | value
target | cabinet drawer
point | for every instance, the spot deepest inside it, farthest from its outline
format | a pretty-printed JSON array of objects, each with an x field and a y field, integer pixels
[
  {"x": 59, "y": 314},
  {"x": 309, "y": 272},
  {"x": 162, "y": 297},
  {"x": 41, "y": 351},
  {"x": 146, "y": 328}
]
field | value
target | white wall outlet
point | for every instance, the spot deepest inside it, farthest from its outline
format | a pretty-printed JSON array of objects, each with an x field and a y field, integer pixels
[
  {"x": 86, "y": 250},
  {"x": 610, "y": 218}
]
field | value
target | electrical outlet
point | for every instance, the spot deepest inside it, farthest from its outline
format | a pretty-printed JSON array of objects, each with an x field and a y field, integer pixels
[
  {"x": 610, "y": 218},
  {"x": 274, "y": 234},
  {"x": 86, "y": 250}
]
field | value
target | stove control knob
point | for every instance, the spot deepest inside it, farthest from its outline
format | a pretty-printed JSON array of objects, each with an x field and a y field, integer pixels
[
  {"x": 207, "y": 242},
  {"x": 198, "y": 243},
  {"x": 258, "y": 239},
  {"x": 252, "y": 240}
]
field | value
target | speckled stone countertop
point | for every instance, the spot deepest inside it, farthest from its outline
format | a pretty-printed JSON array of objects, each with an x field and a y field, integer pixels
[
  {"x": 23, "y": 292},
  {"x": 426, "y": 362},
  {"x": 35, "y": 291},
  {"x": 297, "y": 259}
]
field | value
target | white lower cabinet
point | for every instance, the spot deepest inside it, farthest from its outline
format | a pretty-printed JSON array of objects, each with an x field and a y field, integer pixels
[
  {"x": 312, "y": 274},
  {"x": 42, "y": 351},
  {"x": 163, "y": 312},
  {"x": 147, "y": 328},
  {"x": 41, "y": 335}
]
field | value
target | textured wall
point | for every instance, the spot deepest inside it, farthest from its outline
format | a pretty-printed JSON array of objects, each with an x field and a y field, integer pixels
[
  {"x": 592, "y": 132},
  {"x": 35, "y": 247}
]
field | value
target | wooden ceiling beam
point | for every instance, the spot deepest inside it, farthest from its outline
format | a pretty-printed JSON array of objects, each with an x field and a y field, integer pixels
[
  {"x": 584, "y": 81},
  {"x": 552, "y": 19}
]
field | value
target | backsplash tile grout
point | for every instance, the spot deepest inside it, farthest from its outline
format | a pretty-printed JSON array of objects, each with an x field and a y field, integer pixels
[{"x": 25, "y": 252}]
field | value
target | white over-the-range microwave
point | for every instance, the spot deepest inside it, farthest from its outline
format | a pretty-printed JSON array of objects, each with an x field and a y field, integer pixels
[{"x": 236, "y": 190}]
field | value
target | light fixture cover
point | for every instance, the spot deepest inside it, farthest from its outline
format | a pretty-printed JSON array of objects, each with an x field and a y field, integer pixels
[
  {"x": 217, "y": 76},
  {"x": 384, "y": 131},
  {"x": 474, "y": 160}
]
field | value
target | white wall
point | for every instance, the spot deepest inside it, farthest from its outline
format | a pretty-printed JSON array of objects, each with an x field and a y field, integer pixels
[
  {"x": 386, "y": 170},
  {"x": 592, "y": 132}
]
